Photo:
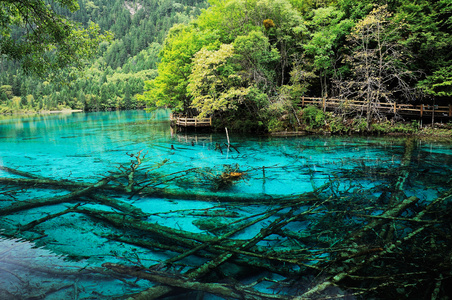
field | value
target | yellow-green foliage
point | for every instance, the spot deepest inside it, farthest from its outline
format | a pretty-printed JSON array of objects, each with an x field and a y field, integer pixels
[
  {"x": 15, "y": 101},
  {"x": 169, "y": 88},
  {"x": 232, "y": 76},
  {"x": 213, "y": 83},
  {"x": 226, "y": 78},
  {"x": 7, "y": 90}
]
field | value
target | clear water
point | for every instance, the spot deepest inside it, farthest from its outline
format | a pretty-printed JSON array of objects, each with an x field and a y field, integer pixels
[{"x": 86, "y": 147}]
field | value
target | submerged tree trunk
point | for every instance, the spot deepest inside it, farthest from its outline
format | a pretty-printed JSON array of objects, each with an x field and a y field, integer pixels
[{"x": 341, "y": 237}]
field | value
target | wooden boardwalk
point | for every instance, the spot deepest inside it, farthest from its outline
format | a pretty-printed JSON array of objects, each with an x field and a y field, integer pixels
[
  {"x": 330, "y": 104},
  {"x": 421, "y": 110},
  {"x": 183, "y": 121}
]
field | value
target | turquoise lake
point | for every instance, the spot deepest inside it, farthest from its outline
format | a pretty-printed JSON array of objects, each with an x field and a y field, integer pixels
[{"x": 192, "y": 182}]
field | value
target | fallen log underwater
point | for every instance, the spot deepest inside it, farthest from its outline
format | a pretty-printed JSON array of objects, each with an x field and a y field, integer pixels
[{"x": 332, "y": 242}]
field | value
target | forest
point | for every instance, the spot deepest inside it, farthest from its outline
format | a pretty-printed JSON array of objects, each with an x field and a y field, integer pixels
[
  {"x": 248, "y": 63},
  {"x": 118, "y": 69}
]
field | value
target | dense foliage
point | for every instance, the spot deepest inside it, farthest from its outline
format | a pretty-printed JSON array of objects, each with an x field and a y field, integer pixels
[
  {"x": 121, "y": 65},
  {"x": 248, "y": 62},
  {"x": 261, "y": 56},
  {"x": 42, "y": 40}
]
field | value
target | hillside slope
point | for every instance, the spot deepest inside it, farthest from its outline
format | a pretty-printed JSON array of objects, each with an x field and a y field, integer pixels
[{"x": 121, "y": 67}]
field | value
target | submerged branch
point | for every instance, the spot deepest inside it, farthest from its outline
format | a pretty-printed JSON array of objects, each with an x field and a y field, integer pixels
[
  {"x": 339, "y": 232},
  {"x": 24, "y": 205},
  {"x": 235, "y": 291}
]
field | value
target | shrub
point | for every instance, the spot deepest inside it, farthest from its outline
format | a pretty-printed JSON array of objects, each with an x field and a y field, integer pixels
[{"x": 313, "y": 116}]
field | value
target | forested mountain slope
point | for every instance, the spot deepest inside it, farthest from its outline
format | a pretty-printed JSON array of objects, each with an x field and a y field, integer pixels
[
  {"x": 249, "y": 62},
  {"x": 112, "y": 80}
]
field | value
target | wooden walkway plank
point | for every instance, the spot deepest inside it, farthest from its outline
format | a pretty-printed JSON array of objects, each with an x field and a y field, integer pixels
[
  {"x": 180, "y": 120},
  {"x": 401, "y": 109},
  {"x": 334, "y": 103}
]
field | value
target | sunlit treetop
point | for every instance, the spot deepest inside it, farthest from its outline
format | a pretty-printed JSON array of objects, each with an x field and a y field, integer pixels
[{"x": 43, "y": 41}]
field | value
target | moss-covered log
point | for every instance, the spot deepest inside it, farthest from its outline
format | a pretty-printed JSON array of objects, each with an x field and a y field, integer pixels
[
  {"x": 334, "y": 233},
  {"x": 234, "y": 291}
]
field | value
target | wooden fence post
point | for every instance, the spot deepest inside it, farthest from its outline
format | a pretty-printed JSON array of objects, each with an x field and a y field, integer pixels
[{"x": 404, "y": 108}]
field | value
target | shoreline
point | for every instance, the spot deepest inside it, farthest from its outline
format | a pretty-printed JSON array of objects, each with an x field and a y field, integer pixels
[
  {"x": 64, "y": 111},
  {"x": 43, "y": 112},
  {"x": 424, "y": 134},
  {"x": 438, "y": 131}
]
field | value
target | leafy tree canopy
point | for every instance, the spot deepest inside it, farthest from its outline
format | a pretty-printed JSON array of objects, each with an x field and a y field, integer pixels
[
  {"x": 42, "y": 40},
  {"x": 169, "y": 89},
  {"x": 439, "y": 83},
  {"x": 235, "y": 59},
  {"x": 260, "y": 36}
]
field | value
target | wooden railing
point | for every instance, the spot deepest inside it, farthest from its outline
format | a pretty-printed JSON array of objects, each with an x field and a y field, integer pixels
[
  {"x": 183, "y": 121},
  {"x": 402, "y": 109}
]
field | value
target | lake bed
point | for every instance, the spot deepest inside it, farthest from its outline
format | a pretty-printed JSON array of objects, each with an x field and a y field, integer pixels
[{"x": 83, "y": 194}]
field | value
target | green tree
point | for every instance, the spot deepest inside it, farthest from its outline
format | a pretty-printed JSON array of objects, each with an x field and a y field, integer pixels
[
  {"x": 235, "y": 18},
  {"x": 128, "y": 104},
  {"x": 258, "y": 61},
  {"x": 3, "y": 97},
  {"x": 23, "y": 101},
  {"x": 49, "y": 41},
  {"x": 439, "y": 84},
  {"x": 169, "y": 88},
  {"x": 7, "y": 90},
  {"x": 214, "y": 84},
  {"x": 234, "y": 81},
  {"x": 327, "y": 28},
  {"x": 428, "y": 33}
]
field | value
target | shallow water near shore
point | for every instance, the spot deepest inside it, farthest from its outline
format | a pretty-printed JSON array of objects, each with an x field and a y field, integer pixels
[{"x": 191, "y": 168}]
